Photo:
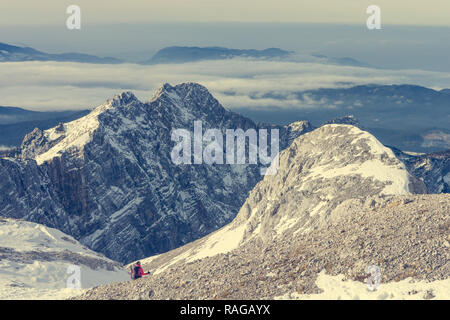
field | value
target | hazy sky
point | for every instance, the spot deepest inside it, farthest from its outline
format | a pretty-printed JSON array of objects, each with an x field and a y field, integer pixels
[
  {"x": 409, "y": 12},
  {"x": 135, "y": 29}
]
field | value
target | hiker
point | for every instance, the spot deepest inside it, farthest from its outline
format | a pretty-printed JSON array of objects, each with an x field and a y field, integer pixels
[{"x": 137, "y": 271}]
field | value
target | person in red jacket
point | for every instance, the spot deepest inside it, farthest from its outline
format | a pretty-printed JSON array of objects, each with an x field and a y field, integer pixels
[{"x": 137, "y": 271}]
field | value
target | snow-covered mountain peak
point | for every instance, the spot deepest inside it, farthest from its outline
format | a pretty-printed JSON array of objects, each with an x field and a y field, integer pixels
[
  {"x": 166, "y": 93},
  {"x": 188, "y": 97},
  {"x": 109, "y": 179},
  {"x": 299, "y": 125},
  {"x": 72, "y": 136},
  {"x": 320, "y": 170},
  {"x": 294, "y": 128},
  {"x": 123, "y": 99},
  {"x": 164, "y": 89}
]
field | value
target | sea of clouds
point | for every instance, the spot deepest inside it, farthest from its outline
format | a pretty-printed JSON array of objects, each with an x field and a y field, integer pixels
[{"x": 236, "y": 83}]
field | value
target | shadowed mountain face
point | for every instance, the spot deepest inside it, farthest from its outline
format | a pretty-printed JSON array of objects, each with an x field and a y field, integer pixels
[
  {"x": 432, "y": 168},
  {"x": 14, "y": 53},
  {"x": 412, "y": 118},
  {"x": 108, "y": 179}
]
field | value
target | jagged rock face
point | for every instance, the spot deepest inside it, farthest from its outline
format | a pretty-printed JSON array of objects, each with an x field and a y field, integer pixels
[
  {"x": 26, "y": 191},
  {"x": 108, "y": 179},
  {"x": 345, "y": 120},
  {"x": 34, "y": 143},
  {"x": 294, "y": 130},
  {"x": 433, "y": 169}
]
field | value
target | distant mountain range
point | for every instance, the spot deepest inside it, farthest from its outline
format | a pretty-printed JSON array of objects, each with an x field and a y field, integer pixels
[
  {"x": 10, "y": 53},
  {"x": 179, "y": 54},
  {"x": 189, "y": 54},
  {"x": 409, "y": 117},
  {"x": 173, "y": 54}
]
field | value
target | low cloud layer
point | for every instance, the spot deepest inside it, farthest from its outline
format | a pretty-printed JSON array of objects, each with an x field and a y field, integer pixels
[{"x": 236, "y": 83}]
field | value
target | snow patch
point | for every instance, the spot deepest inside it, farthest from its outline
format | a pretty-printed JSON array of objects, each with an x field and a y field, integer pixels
[
  {"x": 337, "y": 288},
  {"x": 395, "y": 175},
  {"x": 447, "y": 178},
  {"x": 222, "y": 241}
]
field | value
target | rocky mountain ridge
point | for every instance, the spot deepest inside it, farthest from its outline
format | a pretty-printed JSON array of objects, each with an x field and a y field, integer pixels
[{"x": 108, "y": 180}]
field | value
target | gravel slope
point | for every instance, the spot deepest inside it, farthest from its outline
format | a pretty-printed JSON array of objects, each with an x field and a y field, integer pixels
[{"x": 406, "y": 236}]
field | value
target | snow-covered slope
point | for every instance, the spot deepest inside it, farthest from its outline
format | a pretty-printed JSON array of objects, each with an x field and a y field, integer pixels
[
  {"x": 108, "y": 179},
  {"x": 339, "y": 288},
  {"x": 36, "y": 262},
  {"x": 319, "y": 173}
]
